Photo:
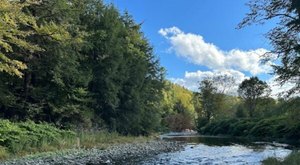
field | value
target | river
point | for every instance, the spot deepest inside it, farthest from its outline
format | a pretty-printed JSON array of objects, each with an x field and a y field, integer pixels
[{"x": 210, "y": 150}]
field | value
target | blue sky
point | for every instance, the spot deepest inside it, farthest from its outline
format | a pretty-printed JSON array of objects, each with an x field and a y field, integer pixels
[{"x": 191, "y": 36}]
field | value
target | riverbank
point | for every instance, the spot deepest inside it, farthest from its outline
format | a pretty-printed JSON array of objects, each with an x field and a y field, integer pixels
[
  {"x": 28, "y": 138},
  {"x": 292, "y": 159},
  {"x": 269, "y": 129},
  {"x": 127, "y": 153}
]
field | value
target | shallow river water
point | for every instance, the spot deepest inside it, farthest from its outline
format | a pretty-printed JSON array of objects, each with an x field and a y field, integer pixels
[{"x": 219, "y": 150}]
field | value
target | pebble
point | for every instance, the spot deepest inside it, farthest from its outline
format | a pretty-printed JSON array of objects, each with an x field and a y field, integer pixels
[{"x": 117, "y": 154}]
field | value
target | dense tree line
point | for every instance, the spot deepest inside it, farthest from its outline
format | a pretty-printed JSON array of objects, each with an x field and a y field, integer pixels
[
  {"x": 256, "y": 113},
  {"x": 77, "y": 63}
]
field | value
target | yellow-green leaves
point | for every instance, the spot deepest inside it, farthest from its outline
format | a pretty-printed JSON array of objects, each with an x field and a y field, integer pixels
[
  {"x": 12, "y": 67},
  {"x": 54, "y": 31},
  {"x": 16, "y": 29},
  {"x": 12, "y": 36}
]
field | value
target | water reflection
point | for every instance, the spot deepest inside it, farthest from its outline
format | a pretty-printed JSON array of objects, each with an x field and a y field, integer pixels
[
  {"x": 209, "y": 140},
  {"x": 220, "y": 150}
]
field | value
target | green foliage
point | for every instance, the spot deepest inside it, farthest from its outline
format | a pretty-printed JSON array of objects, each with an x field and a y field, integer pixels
[
  {"x": 4, "y": 154},
  {"x": 81, "y": 64},
  {"x": 251, "y": 90},
  {"x": 88, "y": 66},
  {"x": 274, "y": 120},
  {"x": 240, "y": 112},
  {"x": 228, "y": 106},
  {"x": 19, "y": 27},
  {"x": 243, "y": 127},
  {"x": 104, "y": 139},
  {"x": 201, "y": 122},
  {"x": 178, "y": 108},
  {"x": 211, "y": 101},
  {"x": 292, "y": 159},
  {"x": 23, "y": 136},
  {"x": 270, "y": 128},
  {"x": 127, "y": 80},
  {"x": 19, "y": 139},
  {"x": 11, "y": 35},
  {"x": 172, "y": 94},
  {"x": 180, "y": 120}
]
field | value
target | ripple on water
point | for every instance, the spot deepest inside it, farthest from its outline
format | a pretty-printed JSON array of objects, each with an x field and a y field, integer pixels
[{"x": 212, "y": 155}]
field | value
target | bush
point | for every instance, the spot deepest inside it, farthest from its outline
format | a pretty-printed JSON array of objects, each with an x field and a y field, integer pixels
[
  {"x": 292, "y": 159},
  {"x": 19, "y": 139},
  {"x": 278, "y": 127},
  {"x": 219, "y": 127},
  {"x": 264, "y": 128},
  {"x": 23, "y": 136},
  {"x": 240, "y": 112},
  {"x": 201, "y": 122},
  {"x": 242, "y": 127}
]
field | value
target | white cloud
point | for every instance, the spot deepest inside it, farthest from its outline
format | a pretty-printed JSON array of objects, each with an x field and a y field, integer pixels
[
  {"x": 233, "y": 63},
  {"x": 280, "y": 90},
  {"x": 171, "y": 31},
  {"x": 191, "y": 79},
  {"x": 194, "y": 48}
]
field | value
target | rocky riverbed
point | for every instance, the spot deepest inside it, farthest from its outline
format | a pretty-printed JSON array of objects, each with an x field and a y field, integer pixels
[{"x": 117, "y": 154}]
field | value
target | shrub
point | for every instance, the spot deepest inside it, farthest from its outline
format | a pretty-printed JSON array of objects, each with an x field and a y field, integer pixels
[
  {"x": 277, "y": 127},
  {"x": 292, "y": 159},
  {"x": 23, "y": 136},
  {"x": 201, "y": 122},
  {"x": 242, "y": 127}
]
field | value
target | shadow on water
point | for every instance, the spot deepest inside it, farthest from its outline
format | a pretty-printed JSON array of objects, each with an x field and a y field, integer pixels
[
  {"x": 220, "y": 150},
  {"x": 227, "y": 141},
  {"x": 209, "y": 140}
]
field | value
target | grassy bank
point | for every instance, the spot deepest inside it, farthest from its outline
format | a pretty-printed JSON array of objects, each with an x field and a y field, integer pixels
[
  {"x": 20, "y": 139},
  {"x": 292, "y": 159},
  {"x": 270, "y": 128}
]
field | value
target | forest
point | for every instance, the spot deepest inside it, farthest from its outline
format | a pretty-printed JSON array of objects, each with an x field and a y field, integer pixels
[
  {"x": 78, "y": 64},
  {"x": 81, "y": 65}
]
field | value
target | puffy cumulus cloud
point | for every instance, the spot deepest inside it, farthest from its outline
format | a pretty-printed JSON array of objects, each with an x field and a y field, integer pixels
[
  {"x": 194, "y": 48},
  {"x": 191, "y": 79}
]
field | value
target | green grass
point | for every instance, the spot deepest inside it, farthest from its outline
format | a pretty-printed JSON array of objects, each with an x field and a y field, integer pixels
[
  {"x": 4, "y": 154},
  {"x": 292, "y": 159},
  {"x": 104, "y": 139},
  {"x": 26, "y": 138}
]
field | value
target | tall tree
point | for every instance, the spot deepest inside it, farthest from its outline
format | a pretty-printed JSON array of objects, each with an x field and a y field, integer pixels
[
  {"x": 87, "y": 65},
  {"x": 284, "y": 37},
  {"x": 209, "y": 99},
  {"x": 251, "y": 90},
  {"x": 53, "y": 85},
  {"x": 127, "y": 78}
]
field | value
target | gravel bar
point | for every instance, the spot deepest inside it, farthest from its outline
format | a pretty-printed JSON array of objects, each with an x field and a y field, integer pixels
[{"x": 129, "y": 153}]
